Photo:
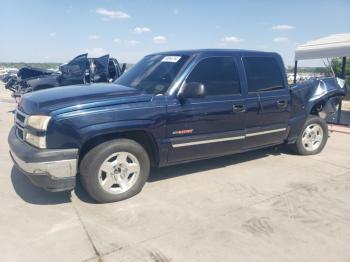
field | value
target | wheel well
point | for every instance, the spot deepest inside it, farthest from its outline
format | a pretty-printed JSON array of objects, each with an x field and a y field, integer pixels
[
  {"x": 142, "y": 137},
  {"x": 321, "y": 106},
  {"x": 318, "y": 107}
]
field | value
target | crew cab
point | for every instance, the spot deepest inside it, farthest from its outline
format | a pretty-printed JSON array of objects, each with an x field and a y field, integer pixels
[{"x": 169, "y": 108}]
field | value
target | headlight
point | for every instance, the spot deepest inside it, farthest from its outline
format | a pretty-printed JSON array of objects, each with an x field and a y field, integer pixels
[
  {"x": 38, "y": 122},
  {"x": 38, "y": 141}
]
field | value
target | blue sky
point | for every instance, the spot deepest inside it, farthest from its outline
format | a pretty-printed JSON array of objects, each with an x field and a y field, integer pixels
[{"x": 56, "y": 31}]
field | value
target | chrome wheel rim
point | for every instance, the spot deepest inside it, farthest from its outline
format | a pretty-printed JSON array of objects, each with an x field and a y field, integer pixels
[
  {"x": 312, "y": 137},
  {"x": 119, "y": 172}
]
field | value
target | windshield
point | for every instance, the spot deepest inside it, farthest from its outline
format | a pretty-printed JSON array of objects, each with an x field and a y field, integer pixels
[{"x": 153, "y": 74}]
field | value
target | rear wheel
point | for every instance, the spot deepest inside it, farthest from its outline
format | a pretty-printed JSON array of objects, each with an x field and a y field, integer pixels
[
  {"x": 115, "y": 170},
  {"x": 313, "y": 137}
]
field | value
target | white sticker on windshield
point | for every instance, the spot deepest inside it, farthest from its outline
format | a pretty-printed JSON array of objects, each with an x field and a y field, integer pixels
[{"x": 171, "y": 59}]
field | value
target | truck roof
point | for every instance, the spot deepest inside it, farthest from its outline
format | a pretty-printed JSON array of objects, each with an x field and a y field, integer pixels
[{"x": 218, "y": 52}]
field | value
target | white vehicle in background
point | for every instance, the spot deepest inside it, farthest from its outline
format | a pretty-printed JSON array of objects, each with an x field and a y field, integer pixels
[{"x": 5, "y": 72}]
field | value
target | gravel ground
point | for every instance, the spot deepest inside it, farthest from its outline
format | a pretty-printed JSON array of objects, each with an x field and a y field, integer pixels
[
  {"x": 346, "y": 105},
  {"x": 267, "y": 205}
]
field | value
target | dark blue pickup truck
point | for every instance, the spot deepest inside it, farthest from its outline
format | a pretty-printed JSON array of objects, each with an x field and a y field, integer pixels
[{"x": 169, "y": 108}]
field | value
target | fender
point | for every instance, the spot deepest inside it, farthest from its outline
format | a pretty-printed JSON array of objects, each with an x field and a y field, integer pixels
[
  {"x": 311, "y": 92},
  {"x": 113, "y": 128},
  {"x": 316, "y": 96},
  {"x": 75, "y": 128}
]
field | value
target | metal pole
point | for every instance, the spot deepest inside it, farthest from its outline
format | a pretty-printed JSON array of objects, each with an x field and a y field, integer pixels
[
  {"x": 343, "y": 67},
  {"x": 342, "y": 76},
  {"x": 295, "y": 71}
]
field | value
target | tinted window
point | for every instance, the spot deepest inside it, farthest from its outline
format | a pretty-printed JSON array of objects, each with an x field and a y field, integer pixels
[
  {"x": 153, "y": 74},
  {"x": 218, "y": 74},
  {"x": 263, "y": 74}
]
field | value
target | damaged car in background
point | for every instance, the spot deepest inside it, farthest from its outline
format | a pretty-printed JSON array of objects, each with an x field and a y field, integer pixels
[{"x": 80, "y": 70}]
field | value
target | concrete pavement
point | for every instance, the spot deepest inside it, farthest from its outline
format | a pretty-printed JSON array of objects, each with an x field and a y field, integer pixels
[{"x": 268, "y": 205}]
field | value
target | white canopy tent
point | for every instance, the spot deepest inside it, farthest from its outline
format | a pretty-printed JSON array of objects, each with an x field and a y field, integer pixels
[{"x": 337, "y": 45}]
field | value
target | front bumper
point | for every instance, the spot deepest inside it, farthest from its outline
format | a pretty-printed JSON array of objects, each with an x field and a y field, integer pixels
[{"x": 51, "y": 169}]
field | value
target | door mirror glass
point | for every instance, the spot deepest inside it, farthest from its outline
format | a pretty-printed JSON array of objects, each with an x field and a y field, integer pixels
[{"x": 192, "y": 90}]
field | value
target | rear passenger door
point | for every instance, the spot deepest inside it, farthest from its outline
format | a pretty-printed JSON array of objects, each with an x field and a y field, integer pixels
[
  {"x": 212, "y": 125},
  {"x": 268, "y": 101}
]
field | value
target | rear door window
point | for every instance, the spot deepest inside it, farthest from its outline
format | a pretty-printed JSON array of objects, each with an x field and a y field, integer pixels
[{"x": 263, "y": 74}]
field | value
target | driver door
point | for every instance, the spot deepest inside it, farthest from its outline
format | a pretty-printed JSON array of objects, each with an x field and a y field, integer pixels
[
  {"x": 212, "y": 125},
  {"x": 74, "y": 72},
  {"x": 101, "y": 69}
]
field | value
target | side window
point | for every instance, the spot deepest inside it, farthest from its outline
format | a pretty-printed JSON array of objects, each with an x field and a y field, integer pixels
[
  {"x": 263, "y": 74},
  {"x": 218, "y": 74}
]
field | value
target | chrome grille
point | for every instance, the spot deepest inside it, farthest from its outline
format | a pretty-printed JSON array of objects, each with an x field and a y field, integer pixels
[
  {"x": 20, "y": 119},
  {"x": 20, "y": 133}
]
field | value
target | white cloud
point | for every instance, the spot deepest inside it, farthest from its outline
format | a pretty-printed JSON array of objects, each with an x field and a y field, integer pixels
[
  {"x": 140, "y": 30},
  {"x": 159, "y": 39},
  {"x": 132, "y": 42},
  {"x": 110, "y": 14},
  {"x": 282, "y": 27},
  {"x": 231, "y": 39},
  {"x": 94, "y": 37},
  {"x": 176, "y": 11},
  {"x": 53, "y": 34},
  {"x": 117, "y": 40},
  {"x": 281, "y": 39},
  {"x": 96, "y": 52}
]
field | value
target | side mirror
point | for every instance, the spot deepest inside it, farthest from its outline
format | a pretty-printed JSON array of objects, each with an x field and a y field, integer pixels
[{"x": 191, "y": 90}]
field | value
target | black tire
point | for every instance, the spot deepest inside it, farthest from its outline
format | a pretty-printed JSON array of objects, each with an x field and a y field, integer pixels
[
  {"x": 299, "y": 148},
  {"x": 92, "y": 161}
]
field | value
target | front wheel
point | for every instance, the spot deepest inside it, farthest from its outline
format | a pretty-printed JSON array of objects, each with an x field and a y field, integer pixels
[
  {"x": 115, "y": 170},
  {"x": 313, "y": 137}
]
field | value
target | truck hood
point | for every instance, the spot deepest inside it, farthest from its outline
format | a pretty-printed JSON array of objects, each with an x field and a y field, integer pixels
[
  {"x": 77, "y": 97},
  {"x": 31, "y": 72}
]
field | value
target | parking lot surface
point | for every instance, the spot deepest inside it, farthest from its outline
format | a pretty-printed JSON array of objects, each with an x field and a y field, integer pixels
[{"x": 268, "y": 205}]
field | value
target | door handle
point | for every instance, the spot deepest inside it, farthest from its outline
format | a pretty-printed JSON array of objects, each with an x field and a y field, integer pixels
[
  {"x": 282, "y": 103},
  {"x": 238, "y": 108}
]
